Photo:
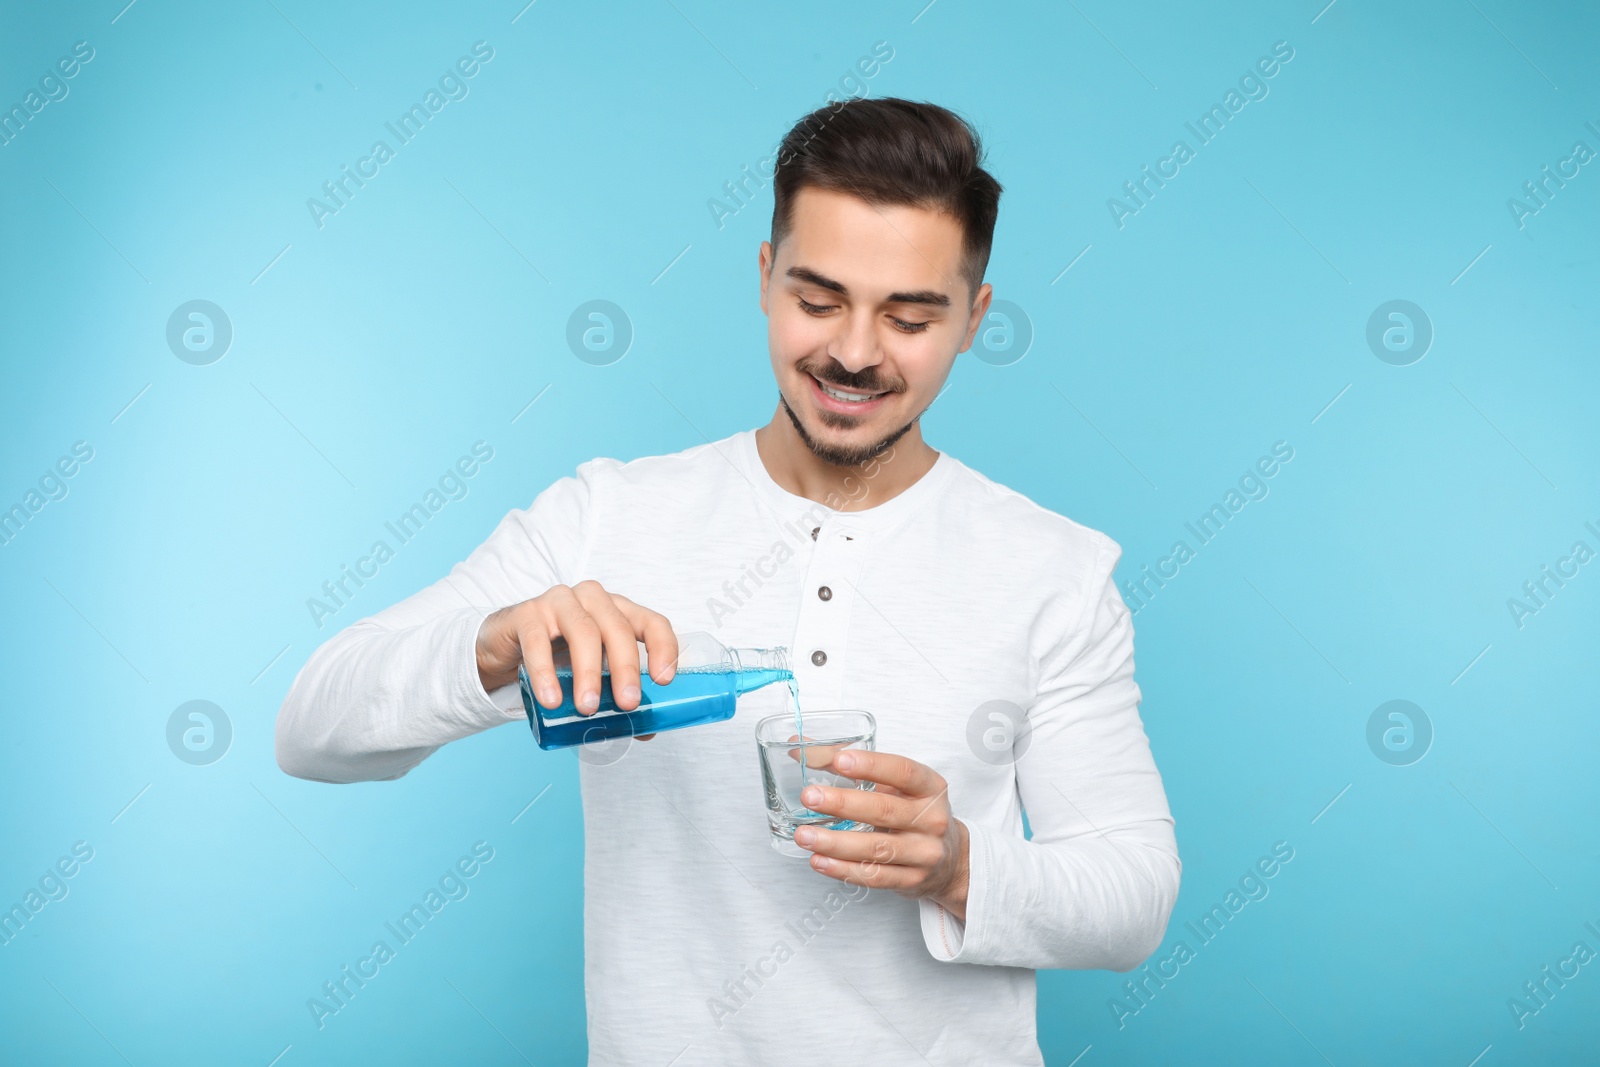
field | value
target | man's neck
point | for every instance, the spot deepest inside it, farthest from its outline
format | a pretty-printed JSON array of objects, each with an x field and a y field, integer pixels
[{"x": 799, "y": 471}]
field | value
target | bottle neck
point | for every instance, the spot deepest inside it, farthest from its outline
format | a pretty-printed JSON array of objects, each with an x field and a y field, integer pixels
[{"x": 759, "y": 659}]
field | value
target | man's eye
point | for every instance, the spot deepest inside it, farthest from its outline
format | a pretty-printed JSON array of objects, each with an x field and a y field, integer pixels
[
  {"x": 910, "y": 327},
  {"x": 813, "y": 308}
]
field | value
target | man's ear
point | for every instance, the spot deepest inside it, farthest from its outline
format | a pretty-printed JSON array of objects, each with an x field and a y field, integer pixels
[
  {"x": 980, "y": 308},
  {"x": 764, "y": 257}
]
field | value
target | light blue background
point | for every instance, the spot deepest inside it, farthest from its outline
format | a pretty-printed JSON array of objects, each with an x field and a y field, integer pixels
[{"x": 1226, "y": 315}]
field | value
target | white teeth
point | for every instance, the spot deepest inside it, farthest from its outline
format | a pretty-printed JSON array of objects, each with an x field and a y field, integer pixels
[{"x": 848, "y": 398}]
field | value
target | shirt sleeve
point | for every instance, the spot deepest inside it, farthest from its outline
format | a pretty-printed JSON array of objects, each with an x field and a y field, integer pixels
[
  {"x": 383, "y": 694},
  {"x": 1097, "y": 882}
]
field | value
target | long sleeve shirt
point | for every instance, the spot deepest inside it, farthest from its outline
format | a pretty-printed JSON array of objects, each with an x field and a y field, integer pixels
[{"x": 982, "y": 631}]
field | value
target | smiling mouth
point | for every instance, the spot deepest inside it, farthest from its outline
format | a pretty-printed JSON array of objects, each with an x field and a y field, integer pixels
[{"x": 846, "y": 396}]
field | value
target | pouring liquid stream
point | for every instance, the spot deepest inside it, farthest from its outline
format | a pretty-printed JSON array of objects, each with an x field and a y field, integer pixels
[{"x": 800, "y": 735}]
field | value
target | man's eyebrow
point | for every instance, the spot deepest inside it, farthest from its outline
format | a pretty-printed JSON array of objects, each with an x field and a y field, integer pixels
[{"x": 918, "y": 296}]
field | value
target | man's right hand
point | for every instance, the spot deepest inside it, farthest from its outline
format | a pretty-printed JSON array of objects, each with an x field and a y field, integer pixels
[{"x": 590, "y": 620}]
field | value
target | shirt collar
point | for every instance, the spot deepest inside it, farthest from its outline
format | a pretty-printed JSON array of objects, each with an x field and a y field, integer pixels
[{"x": 878, "y": 517}]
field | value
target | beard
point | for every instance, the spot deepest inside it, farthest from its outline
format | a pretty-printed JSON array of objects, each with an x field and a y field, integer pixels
[
  {"x": 866, "y": 380},
  {"x": 837, "y": 455}
]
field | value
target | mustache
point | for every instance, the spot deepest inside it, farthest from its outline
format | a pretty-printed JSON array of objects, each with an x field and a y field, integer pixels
[{"x": 866, "y": 380}]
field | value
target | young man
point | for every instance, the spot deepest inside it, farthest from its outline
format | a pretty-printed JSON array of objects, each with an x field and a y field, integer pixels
[{"x": 982, "y": 631}]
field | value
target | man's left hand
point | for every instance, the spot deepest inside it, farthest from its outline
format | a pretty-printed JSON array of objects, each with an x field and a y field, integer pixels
[{"x": 918, "y": 848}]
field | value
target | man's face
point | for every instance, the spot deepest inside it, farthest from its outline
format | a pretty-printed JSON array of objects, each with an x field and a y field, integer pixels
[{"x": 866, "y": 310}]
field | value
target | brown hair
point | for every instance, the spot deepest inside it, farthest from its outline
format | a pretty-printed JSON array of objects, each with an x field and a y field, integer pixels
[{"x": 893, "y": 151}]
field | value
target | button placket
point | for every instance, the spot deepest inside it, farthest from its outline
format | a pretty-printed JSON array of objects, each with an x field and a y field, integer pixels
[{"x": 823, "y": 621}]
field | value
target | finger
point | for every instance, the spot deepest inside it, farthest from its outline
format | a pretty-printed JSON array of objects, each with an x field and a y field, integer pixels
[
  {"x": 823, "y": 757},
  {"x": 872, "y": 875},
  {"x": 660, "y": 642},
  {"x": 585, "y": 644},
  {"x": 539, "y": 662},
  {"x": 818, "y": 757},
  {"x": 924, "y": 815},
  {"x": 911, "y": 778},
  {"x": 902, "y": 849},
  {"x": 621, "y": 647},
  {"x": 644, "y": 737}
]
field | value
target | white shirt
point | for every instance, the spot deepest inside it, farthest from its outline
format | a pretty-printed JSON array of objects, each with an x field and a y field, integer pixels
[{"x": 709, "y": 945}]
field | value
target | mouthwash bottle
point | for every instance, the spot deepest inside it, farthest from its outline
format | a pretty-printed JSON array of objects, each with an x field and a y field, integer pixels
[{"x": 706, "y": 688}]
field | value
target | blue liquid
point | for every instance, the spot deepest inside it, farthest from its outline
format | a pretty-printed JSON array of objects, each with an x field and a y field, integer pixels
[
  {"x": 800, "y": 733},
  {"x": 692, "y": 697}
]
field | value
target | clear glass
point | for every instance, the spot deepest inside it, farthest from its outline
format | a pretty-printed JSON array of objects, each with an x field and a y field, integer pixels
[
  {"x": 790, "y": 762},
  {"x": 706, "y": 688}
]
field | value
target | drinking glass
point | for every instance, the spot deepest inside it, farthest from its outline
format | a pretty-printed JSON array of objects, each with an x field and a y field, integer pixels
[{"x": 784, "y": 772}]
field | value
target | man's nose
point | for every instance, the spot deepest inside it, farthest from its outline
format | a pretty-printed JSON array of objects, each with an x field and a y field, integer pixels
[{"x": 856, "y": 347}]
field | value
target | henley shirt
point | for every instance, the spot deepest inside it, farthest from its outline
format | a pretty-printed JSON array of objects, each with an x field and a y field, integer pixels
[{"x": 951, "y": 611}]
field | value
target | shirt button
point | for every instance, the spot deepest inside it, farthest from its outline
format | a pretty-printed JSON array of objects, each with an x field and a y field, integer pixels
[
  {"x": 814, "y": 531},
  {"x": 825, "y": 593},
  {"x": 819, "y": 657}
]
